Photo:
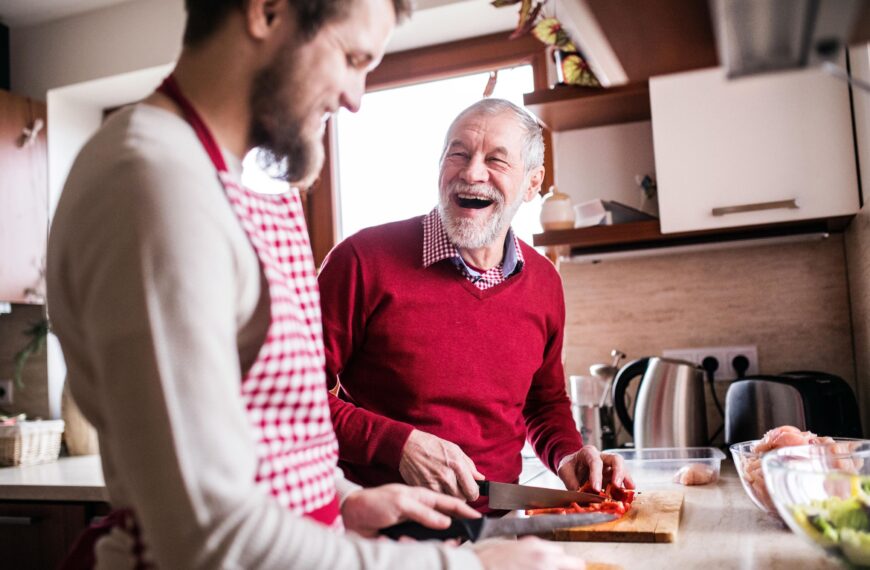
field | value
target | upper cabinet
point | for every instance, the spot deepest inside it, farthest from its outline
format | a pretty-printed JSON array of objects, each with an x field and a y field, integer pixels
[
  {"x": 631, "y": 41},
  {"x": 23, "y": 199},
  {"x": 625, "y": 47},
  {"x": 759, "y": 150}
]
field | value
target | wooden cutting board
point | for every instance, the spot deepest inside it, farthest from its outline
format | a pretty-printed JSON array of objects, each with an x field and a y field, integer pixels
[{"x": 654, "y": 517}]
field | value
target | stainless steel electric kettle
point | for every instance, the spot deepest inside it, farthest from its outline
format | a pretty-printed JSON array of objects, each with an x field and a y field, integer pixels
[{"x": 670, "y": 409}]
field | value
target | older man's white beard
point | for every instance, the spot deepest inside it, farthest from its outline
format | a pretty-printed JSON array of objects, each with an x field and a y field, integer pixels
[{"x": 474, "y": 234}]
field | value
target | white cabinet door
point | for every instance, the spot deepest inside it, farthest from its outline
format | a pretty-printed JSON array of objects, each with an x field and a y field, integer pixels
[
  {"x": 23, "y": 201},
  {"x": 756, "y": 150}
]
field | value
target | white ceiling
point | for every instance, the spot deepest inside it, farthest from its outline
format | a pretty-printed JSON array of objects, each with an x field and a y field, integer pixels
[{"x": 19, "y": 13}]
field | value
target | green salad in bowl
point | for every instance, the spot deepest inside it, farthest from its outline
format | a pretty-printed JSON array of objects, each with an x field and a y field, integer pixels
[{"x": 823, "y": 493}]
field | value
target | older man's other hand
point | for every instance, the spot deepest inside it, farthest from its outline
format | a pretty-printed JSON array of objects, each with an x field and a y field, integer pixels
[
  {"x": 368, "y": 510},
  {"x": 596, "y": 467},
  {"x": 431, "y": 462}
]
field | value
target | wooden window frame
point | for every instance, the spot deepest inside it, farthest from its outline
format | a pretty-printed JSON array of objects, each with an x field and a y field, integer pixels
[{"x": 462, "y": 57}]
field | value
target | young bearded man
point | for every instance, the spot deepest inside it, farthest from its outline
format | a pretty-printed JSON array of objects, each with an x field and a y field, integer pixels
[{"x": 188, "y": 310}]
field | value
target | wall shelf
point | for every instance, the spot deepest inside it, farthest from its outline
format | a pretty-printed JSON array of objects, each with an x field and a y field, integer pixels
[
  {"x": 647, "y": 235},
  {"x": 568, "y": 107}
]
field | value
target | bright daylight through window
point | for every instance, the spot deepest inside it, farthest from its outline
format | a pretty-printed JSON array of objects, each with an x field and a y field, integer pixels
[{"x": 388, "y": 152}]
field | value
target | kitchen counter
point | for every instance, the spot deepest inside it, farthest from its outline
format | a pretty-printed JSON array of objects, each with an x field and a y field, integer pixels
[
  {"x": 720, "y": 529},
  {"x": 67, "y": 479}
]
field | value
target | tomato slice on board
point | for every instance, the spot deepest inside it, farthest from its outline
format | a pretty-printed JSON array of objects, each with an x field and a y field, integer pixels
[{"x": 617, "y": 501}]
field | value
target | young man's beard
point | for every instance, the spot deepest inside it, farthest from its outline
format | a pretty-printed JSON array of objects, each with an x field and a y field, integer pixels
[{"x": 283, "y": 150}]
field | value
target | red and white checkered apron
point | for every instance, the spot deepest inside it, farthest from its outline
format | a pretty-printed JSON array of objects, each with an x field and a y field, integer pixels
[{"x": 285, "y": 390}]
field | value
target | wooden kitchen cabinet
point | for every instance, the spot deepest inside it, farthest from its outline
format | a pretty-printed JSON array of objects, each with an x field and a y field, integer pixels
[
  {"x": 23, "y": 200},
  {"x": 37, "y": 535},
  {"x": 758, "y": 150}
]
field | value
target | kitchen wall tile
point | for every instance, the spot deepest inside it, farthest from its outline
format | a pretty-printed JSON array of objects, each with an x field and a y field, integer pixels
[
  {"x": 858, "y": 256},
  {"x": 790, "y": 300}
]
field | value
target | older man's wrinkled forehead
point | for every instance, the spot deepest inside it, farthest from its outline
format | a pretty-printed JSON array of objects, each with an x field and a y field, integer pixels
[{"x": 481, "y": 121}]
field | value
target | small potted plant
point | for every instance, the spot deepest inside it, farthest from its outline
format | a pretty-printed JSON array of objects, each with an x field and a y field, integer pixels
[{"x": 36, "y": 334}]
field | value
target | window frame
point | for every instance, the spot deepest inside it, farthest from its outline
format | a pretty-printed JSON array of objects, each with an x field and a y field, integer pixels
[{"x": 440, "y": 61}]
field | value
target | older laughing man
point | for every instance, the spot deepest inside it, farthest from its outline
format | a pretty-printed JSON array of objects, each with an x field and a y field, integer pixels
[{"x": 444, "y": 332}]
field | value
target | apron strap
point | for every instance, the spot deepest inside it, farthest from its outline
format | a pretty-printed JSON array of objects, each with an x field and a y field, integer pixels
[
  {"x": 170, "y": 88},
  {"x": 82, "y": 555}
]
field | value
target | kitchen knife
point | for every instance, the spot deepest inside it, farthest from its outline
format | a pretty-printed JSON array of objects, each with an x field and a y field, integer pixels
[
  {"x": 478, "y": 529},
  {"x": 508, "y": 496}
]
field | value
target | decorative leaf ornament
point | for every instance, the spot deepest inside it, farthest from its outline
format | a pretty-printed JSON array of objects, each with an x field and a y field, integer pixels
[
  {"x": 550, "y": 32},
  {"x": 529, "y": 11},
  {"x": 576, "y": 71}
]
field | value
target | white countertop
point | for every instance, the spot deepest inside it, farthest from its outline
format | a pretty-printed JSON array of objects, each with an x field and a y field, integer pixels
[
  {"x": 720, "y": 529},
  {"x": 67, "y": 479}
]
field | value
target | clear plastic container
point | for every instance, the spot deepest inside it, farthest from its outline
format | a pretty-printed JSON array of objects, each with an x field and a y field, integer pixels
[{"x": 683, "y": 465}]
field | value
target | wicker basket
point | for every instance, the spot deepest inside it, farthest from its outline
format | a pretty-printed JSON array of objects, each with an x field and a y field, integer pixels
[{"x": 30, "y": 443}]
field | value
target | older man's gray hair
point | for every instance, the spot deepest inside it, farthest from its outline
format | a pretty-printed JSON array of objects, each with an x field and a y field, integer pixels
[{"x": 533, "y": 139}]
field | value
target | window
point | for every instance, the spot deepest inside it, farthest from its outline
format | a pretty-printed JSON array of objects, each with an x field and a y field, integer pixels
[
  {"x": 451, "y": 60},
  {"x": 388, "y": 152}
]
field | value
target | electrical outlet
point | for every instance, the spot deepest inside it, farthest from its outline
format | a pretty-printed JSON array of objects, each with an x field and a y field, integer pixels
[
  {"x": 724, "y": 354},
  {"x": 6, "y": 391}
]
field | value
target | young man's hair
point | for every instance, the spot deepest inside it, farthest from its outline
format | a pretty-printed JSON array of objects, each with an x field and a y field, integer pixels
[{"x": 205, "y": 16}]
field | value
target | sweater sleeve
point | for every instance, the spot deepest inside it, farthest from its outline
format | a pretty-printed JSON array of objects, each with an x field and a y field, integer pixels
[
  {"x": 364, "y": 437},
  {"x": 550, "y": 425}
]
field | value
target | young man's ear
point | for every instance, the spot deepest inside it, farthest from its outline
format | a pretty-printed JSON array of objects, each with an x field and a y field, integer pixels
[
  {"x": 263, "y": 16},
  {"x": 536, "y": 178}
]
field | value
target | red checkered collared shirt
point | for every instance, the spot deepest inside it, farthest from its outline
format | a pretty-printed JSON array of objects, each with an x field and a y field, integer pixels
[{"x": 437, "y": 246}]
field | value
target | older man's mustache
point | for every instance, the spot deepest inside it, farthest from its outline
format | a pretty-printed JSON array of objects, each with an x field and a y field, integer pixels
[{"x": 474, "y": 196}]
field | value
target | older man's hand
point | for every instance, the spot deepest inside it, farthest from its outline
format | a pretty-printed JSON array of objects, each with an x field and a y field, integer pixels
[
  {"x": 596, "y": 467},
  {"x": 431, "y": 462}
]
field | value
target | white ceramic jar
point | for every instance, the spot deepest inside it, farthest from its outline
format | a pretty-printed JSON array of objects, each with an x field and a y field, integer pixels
[{"x": 557, "y": 212}]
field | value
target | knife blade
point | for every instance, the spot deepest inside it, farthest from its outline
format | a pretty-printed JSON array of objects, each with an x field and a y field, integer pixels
[
  {"x": 478, "y": 529},
  {"x": 508, "y": 496}
]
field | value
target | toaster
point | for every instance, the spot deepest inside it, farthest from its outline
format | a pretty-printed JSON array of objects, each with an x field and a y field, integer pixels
[{"x": 816, "y": 401}]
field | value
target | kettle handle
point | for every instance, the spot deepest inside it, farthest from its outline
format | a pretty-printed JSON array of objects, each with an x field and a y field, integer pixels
[{"x": 626, "y": 374}]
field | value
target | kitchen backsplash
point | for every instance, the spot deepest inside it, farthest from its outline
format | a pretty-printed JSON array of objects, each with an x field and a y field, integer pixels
[
  {"x": 32, "y": 398},
  {"x": 858, "y": 255},
  {"x": 790, "y": 300}
]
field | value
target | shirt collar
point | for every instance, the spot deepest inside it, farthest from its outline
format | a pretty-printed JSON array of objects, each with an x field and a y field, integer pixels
[{"x": 437, "y": 246}]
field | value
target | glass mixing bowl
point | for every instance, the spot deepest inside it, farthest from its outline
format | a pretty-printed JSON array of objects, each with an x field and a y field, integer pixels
[
  {"x": 748, "y": 464},
  {"x": 822, "y": 492}
]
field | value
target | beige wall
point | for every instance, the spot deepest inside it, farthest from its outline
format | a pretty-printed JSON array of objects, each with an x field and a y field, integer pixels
[
  {"x": 32, "y": 399},
  {"x": 790, "y": 300}
]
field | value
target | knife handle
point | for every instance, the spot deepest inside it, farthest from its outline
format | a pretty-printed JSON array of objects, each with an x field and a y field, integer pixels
[
  {"x": 466, "y": 529},
  {"x": 484, "y": 488}
]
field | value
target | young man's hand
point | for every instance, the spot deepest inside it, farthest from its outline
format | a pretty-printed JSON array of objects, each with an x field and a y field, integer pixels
[
  {"x": 528, "y": 553},
  {"x": 368, "y": 510}
]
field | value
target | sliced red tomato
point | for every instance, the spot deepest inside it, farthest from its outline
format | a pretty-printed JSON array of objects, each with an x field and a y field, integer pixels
[{"x": 617, "y": 501}]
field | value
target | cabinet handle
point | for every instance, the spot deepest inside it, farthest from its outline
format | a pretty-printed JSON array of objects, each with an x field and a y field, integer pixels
[
  {"x": 18, "y": 521},
  {"x": 789, "y": 204}
]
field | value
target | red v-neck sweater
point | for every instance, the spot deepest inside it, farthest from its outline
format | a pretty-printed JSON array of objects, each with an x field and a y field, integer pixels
[{"x": 422, "y": 347}]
